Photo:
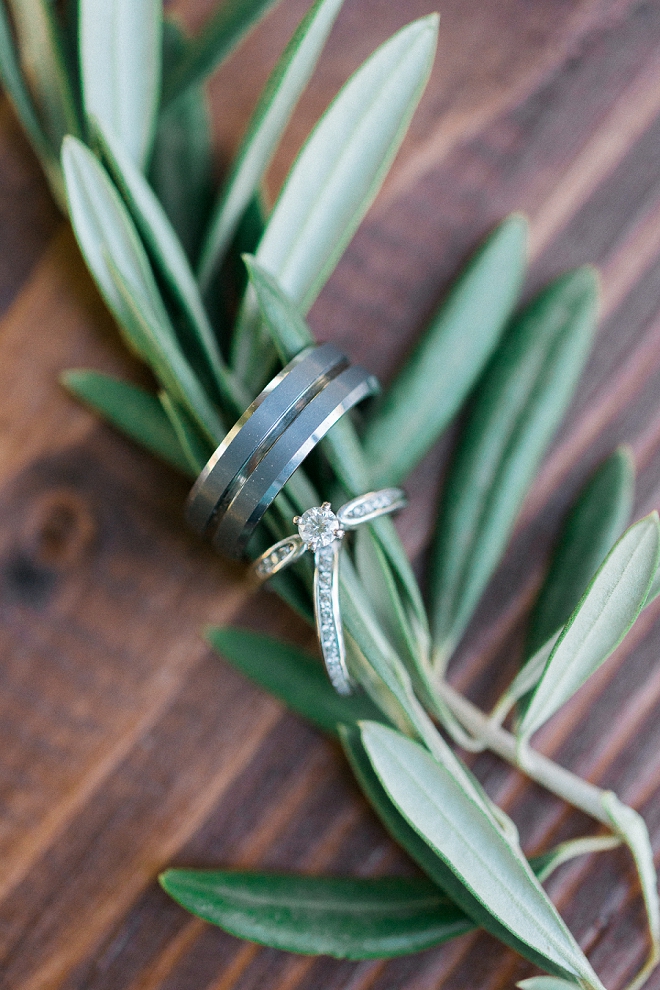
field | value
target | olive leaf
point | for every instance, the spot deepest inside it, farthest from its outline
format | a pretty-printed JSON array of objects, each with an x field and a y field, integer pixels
[
  {"x": 545, "y": 864},
  {"x": 181, "y": 170},
  {"x": 344, "y": 917},
  {"x": 631, "y": 827},
  {"x": 335, "y": 178},
  {"x": 525, "y": 680},
  {"x": 517, "y": 406},
  {"x": 204, "y": 52},
  {"x": 593, "y": 524},
  {"x": 170, "y": 259},
  {"x": 290, "y": 334},
  {"x": 133, "y": 411},
  {"x": 276, "y": 104},
  {"x": 480, "y": 858},
  {"x": 295, "y": 677},
  {"x": 195, "y": 446},
  {"x": 120, "y": 67},
  {"x": 117, "y": 259},
  {"x": 44, "y": 65},
  {"x": 601, "y": 620},
  {"x": 16, "y": 89},
  {"x": 654, "y": 590},
  {"x": 547, "y": 983},
  {"x": 451, "y": 354}
]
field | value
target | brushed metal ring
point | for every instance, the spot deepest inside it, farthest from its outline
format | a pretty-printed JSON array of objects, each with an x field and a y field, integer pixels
[
  {"x": 262, "y": 423},
  {"x": 248, "y": 498}
]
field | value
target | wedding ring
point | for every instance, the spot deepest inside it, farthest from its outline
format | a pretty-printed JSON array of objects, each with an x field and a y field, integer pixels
[
  {"x": 249, "y": 498},
  {"x": 259, "y": 426},
  {"x": 321, "y": 531}
]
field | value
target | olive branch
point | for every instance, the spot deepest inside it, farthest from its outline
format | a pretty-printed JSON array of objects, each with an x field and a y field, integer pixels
[{"x": 210, "y": 291}]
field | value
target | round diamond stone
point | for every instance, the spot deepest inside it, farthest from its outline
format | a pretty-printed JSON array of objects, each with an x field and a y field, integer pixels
[{"x": 318, "y": 527}]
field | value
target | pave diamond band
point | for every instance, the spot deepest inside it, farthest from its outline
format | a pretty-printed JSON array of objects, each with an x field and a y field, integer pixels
[{"x": 321, "y": 531}]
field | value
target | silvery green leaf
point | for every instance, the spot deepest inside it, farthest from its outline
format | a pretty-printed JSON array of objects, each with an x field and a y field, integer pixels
[
  {"x": 181, "y": 170},
  {"x": 273, "y": 111},
  {"x": 516, "y": 408},
  {"x": 376, "y": 575},
  {"x": 654, "y": 590},
  {"x": 601, "y": 620},
  {"x": 16, "y": 90},
  {"x": 290, "y": 334},
  {"x": 344, "y": 917},
  {"x": 632, "y": 829},
  {"x": 547, "y": 983},
  {"x": 217, "y": 39},
  {"x": 168, "y": 362},
  {"x": 195, "y": 446},
  {"x": 170, "y": 259},
  {"x": 295, "y": 677},
  {"x": 135, "y": 412},
  {"x": 593, "y": 524},
  {"x": 526, "y": 679},
  {"x": 482, "y": 861},
  {"x": 43, "y": 60},
  {"x": 435, "y": 380},
  {"x": 362, "y": 626},
  {"x": 545, "y": 864},
  {"x": 120, "y": 65},
  {"x": 115, "y": 255},
  {"x": 336, "y": 177}
]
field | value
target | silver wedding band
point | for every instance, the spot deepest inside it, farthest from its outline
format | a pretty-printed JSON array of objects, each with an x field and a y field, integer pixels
[{"x": 270, "y": 440}]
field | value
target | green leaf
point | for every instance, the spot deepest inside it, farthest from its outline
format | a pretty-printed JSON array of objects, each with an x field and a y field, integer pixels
[
  {"x": 592, "y": 526},
  {"x": 195, "y": 447},
  {"x": 344, "y": 917},
  {"x": 171, "y": 262},
  {"x": 295, "y": 677},
  {"x": 601, "y": 620},
  {"x": 290, "y": 334},
  {"x": 120, "y": 53},
  {"x": 631, "y": 827},
  {"x": 654, "y": 590},
  {"x": 168, "y": 361},
  {"x": 181, "y": 171},
  {"x": 336, "y": 177},
  {"x": 432, "y": 385},
  {"x": 221, "y": 34},
  {"x": 517, "y": 406},
  {"x": 547, "y": 983},
  {"x": 132, "y": 410},
  {"x": 525, "y": 680},
  {"x": 43, "y": 59},
  {"x": 115, "y": 255},
  {"x": 513, "y": 904},
  {"x": 547, "y": 863},
  {"x": 376, "y": 575},
  {"x": 16, "y": 90},
  {"x": 272, "y": 114}
]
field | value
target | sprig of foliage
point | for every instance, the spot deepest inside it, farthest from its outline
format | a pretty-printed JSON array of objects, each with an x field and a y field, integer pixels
[{"x": 135, "y": 163}]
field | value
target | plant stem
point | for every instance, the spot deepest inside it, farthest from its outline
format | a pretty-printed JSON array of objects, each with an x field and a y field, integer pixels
[{"x": 563, "y": 783}]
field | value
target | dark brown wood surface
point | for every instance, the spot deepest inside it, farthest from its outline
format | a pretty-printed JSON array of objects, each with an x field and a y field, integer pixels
[{"x": 125, "y": 746}]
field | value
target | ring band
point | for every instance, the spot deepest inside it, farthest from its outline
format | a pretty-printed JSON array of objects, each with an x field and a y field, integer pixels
[
  {"x": 257, "y": 492},
  {"x": 321, "y": 531},
  {"x": 259, "y": 427}
]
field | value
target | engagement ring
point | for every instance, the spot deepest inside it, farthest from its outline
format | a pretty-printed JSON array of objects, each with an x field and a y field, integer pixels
[{"x": 321, "y": 531}]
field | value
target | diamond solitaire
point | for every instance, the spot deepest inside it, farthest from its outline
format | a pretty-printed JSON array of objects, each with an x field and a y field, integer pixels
[{"x": 318, "y": 527}]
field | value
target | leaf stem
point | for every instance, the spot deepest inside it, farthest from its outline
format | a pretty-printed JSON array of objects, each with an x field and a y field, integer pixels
[{"x": 566, "y": 785}]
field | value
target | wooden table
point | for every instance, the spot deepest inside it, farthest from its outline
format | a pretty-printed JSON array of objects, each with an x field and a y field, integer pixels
[{"x": 125, "y": 745}]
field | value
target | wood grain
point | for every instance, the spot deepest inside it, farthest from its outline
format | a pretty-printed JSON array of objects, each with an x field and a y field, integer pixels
[{"x": 126, "y": 745}]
